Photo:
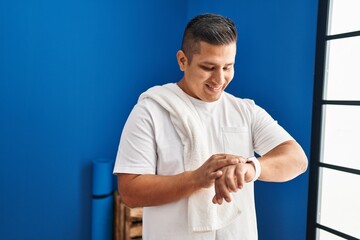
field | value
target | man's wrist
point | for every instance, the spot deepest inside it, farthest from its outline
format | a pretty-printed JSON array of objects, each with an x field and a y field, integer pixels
[{"x": 257, "y": 167}]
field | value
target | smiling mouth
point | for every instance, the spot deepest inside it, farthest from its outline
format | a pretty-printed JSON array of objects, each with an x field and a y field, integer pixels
[{"x": 213, "y": 88}]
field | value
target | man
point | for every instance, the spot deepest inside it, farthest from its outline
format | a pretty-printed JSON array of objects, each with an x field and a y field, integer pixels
[{"x": 186, "y": 153}]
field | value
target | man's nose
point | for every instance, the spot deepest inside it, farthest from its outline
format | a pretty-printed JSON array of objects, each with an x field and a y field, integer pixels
[{"x": 219, "y": 77}]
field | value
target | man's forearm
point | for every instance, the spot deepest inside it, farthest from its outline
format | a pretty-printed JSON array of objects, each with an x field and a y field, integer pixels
[
  {"x": 152, "y": 190},
  {"x": 283, "y": 163}
]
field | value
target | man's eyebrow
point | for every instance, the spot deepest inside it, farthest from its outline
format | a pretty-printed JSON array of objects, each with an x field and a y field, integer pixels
[{"x": 212, "y": 63}]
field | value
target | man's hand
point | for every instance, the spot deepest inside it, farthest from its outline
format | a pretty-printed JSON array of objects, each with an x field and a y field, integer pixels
[
  {"x": 234, "y": 177},
  {"x": 213, "y": 168}
]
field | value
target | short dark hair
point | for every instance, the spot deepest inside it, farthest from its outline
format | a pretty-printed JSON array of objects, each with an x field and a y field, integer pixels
[{"x": 210, "y": 28}]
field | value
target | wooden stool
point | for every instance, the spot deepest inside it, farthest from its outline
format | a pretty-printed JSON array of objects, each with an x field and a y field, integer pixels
[{"x": 127, "y": 221}]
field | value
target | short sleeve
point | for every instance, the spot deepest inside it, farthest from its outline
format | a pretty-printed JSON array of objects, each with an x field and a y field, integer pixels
[
  {"x": 137, "y": 149},
  {"x": 267, "y": 133}
]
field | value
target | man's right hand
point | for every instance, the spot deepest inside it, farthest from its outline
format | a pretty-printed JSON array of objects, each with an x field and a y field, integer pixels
[{"x": 206, "y": 174}]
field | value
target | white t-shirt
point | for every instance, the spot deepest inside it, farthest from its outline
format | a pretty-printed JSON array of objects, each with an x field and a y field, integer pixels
[{"x": 150, "y": 145}]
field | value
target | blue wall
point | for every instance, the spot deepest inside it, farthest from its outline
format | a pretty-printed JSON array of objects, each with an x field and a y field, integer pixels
[{"x": 70, "y": 72}]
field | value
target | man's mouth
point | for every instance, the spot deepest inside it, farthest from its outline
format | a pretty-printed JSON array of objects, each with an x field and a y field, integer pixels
[{"x": 214, "y": 88}]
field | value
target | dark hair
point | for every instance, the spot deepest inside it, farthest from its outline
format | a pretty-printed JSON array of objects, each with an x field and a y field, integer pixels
[{"x": 210, "y": 28}]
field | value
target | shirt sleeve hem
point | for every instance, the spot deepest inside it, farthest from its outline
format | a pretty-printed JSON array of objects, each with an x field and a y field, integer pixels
[{"x": 131, "y": 170}]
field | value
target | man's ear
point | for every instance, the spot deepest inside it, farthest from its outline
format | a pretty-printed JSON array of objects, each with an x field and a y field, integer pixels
[{"x": 182, "y": 60}]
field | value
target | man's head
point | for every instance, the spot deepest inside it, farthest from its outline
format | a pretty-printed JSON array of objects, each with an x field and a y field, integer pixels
[
  {"x": 210, "y": 28},
  {"x": 207, "y": 56}
]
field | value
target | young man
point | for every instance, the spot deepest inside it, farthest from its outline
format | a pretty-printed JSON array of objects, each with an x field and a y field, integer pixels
[{"x": 186, "y": 153}]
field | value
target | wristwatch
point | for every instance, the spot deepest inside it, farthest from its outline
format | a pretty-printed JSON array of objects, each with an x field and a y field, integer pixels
[{"x": 257, "y": 166}]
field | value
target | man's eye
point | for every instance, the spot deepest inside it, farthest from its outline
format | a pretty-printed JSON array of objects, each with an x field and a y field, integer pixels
[
  {"x": 227, "y": 68},
  {"x": 207, "y": 68}
]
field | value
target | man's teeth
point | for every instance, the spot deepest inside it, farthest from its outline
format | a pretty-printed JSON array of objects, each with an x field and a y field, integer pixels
[{"x": 215, "y": 88}]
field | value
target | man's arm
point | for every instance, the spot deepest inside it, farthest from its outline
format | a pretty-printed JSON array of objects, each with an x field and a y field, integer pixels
[
  {"x": 152, "y": 190},
  {"x": 282, "y": 163}
]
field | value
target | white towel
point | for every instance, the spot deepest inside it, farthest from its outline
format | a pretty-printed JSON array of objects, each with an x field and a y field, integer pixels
[{"x": 203, "y": 215}]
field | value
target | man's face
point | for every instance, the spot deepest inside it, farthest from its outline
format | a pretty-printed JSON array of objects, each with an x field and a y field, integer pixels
[{"x": 209, "y": 72}]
